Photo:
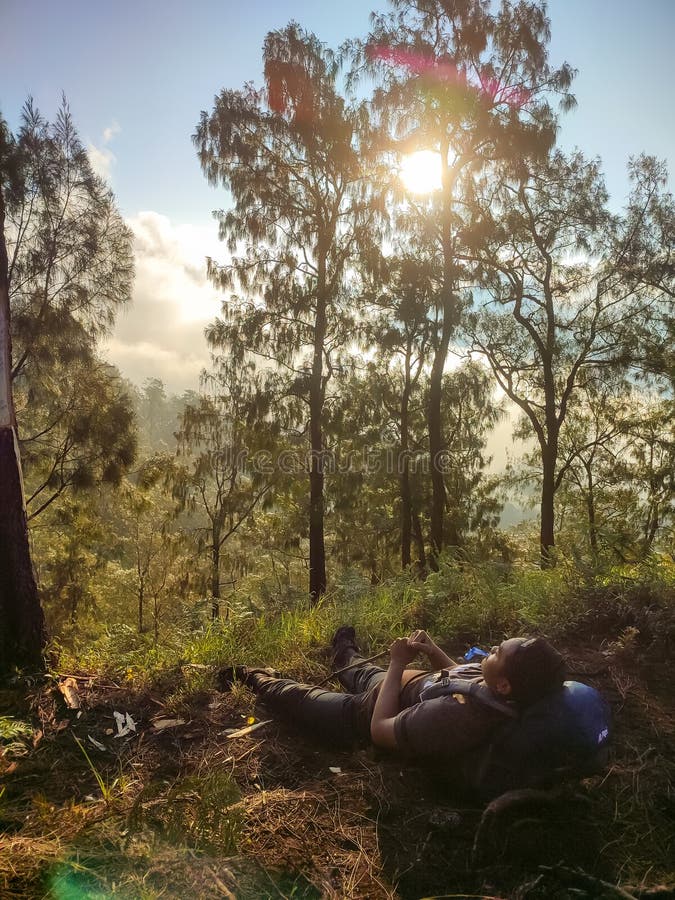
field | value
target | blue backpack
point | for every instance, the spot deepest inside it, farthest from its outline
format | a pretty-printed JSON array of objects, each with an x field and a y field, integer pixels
[{"x": 564, "y": 734}]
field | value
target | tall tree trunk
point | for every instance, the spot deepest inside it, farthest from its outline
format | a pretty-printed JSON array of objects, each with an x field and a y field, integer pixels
[
  {"x": 652, "y": 523},
  {"x": 653, "y": 506},
  {"x": 546, "y": 533},
  {"x": 317, "y": 552},
  {"x": 404, "y": 470},
  {"x": 435, "y": 425},
  {"x": 549, "y": 447},
  {"x": 141, "y": 573},
  {"x": 406, "y": 515},
  {"x": 21, "y": 619},
  {"x": 435, "y": 419},
  {"x": 155, "y": 618}
]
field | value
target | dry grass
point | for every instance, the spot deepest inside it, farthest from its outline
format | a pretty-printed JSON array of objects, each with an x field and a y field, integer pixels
[{"x": 193, "y": 814}]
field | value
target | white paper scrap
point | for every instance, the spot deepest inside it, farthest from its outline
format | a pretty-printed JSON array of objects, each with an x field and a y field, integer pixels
[{"x": 125, "y": 724}]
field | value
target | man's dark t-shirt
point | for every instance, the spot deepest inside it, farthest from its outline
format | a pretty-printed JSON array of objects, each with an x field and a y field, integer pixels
[{"x": 444, "y": 727}]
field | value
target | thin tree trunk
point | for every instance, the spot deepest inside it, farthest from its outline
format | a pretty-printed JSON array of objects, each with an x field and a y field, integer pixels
[
  {"x": 141, "y": 572},
  {"x": 317, "y": 552},
  {"x": 141, "y": 591},
  {"x": 406, "y": 516},
  {"x": 404, "y": 470},
  {"x": 546, "y": 534},
  {"x": 590, "y": 508},
  {"x": 652, "y": 523},
  {"x": 21, "y": 619},
  {"x": 155, "y": 617},
  {"x": 435, "y": 425},
  {"x": 550, "y": 446},
  {"x": 419, "y": 543},
  {"x": 215, "y": 574}
]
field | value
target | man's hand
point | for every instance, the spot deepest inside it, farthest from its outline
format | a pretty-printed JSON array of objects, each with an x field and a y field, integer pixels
[
  {"x": 402, "y": 652},
  {"x": 422, "y": 643}
]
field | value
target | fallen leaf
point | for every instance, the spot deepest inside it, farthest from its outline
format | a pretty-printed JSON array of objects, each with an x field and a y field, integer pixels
[
  {"x": 68, "y": 688},
  {"x": 336, "y": 770},
  {"x": 241, "y": 732},
  {"x": 161, "y": 724},
  {"x": 97, "y": 744}
]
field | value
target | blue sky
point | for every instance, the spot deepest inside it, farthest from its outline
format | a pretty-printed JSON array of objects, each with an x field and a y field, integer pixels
[
  {"x": 138, "y": 73},
  {"x": 150, "y": 66}
]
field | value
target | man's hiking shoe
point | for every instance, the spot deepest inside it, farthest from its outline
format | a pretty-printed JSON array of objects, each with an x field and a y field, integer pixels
[
  {"x": 232, "y": 675},
  {"x": 344, "y": 646}
]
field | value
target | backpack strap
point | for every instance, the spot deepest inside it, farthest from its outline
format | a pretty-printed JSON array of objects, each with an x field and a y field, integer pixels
[{"x": 480, "y": 692}]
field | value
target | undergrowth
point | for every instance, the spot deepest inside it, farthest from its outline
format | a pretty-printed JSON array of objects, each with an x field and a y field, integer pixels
[{"x": 461, "y": 604}]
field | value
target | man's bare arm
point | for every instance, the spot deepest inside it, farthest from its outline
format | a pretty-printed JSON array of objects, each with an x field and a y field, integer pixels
[{"x": 388, "y": 704}]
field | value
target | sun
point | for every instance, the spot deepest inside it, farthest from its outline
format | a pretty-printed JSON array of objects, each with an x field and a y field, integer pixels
[{"x": 420, "y": 172}]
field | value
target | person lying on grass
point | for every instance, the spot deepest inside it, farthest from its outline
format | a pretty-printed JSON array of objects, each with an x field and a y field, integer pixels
[{"x": 449, "y": 713}]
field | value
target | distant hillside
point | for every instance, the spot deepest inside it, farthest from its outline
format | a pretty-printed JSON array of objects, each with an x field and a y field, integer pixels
[{"x": 514, "y": 515}]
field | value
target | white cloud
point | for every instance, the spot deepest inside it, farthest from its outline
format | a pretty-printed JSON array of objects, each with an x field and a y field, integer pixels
[
  {"x": 161, "y": 335},
  {"x": 102, "y": 158},
  {"x": 110, "y": 132}
]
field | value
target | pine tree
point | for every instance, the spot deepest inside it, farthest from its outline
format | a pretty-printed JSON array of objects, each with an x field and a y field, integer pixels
[{"x": 290, "y": 156}]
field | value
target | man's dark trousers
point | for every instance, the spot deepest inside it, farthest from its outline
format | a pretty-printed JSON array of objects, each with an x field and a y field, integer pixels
[{"x": 339, "y": 719}]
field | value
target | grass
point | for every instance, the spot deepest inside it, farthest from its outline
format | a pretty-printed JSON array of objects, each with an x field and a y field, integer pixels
[
  {"x": 462, "y": 604},
  {"x": 185, "y": 812},
  {"x": 109, "y": 788}
]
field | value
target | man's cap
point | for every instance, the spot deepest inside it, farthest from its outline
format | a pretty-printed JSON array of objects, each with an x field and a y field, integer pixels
[{"x": 533, "y": 668}]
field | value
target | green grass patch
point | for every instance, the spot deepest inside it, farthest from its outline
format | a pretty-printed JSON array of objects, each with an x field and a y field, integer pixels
[
  {"x": 194, "y": 811},
  {"x": 465, "y": 602}
]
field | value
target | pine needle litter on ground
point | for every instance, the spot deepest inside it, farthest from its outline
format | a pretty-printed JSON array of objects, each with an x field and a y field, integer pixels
[{"x": 211, "y": 806}]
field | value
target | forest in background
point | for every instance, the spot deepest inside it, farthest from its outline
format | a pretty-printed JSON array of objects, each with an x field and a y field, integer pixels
[{"x": 365, "y": 336}]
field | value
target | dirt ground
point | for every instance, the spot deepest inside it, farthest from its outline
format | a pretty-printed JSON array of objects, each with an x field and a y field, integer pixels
[{"x": 180, "y": 807}]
